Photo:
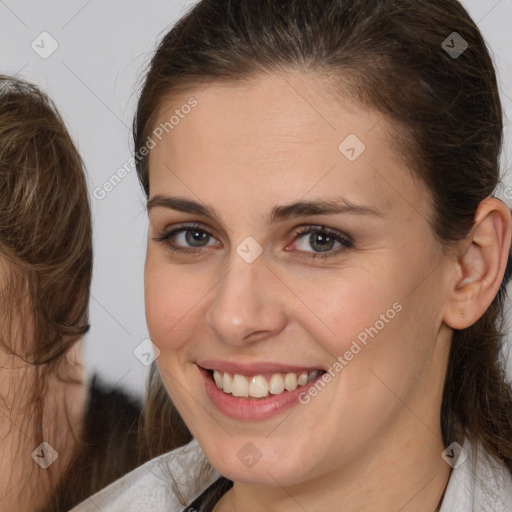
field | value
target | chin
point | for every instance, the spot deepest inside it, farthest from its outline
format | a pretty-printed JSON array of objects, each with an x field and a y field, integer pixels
[{"x": 241, "y": 461}]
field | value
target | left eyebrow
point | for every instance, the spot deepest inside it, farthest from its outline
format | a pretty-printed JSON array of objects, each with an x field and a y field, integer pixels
[{"x": 309, "y": 208}]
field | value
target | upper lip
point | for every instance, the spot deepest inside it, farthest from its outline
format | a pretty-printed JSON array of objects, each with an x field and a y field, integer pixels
[{"x": 256, "y": 368}]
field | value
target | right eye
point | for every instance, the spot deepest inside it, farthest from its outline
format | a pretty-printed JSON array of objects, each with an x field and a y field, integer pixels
[{"x": 187, "y": 239}]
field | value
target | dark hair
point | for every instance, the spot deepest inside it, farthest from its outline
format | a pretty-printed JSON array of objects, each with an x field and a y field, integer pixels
[
  {"x": 446, "y": 112},
  {"x": 108, "y": 447}
]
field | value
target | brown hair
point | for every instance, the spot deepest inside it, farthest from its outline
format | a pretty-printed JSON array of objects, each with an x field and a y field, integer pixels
[
  {"x": 45, "y": 224},
  {"x": 45, "y": 243},
  {"x": 46, "y": 239},
  {"x": 389, "y": 55}
]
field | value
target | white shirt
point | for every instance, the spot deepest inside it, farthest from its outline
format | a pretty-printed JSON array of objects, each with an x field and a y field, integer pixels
[{"x": 479, "y": 484}]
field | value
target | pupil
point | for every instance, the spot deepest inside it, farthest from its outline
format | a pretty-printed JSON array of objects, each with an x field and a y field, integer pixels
[
  {"x": 196, "y": 238},
  {"x": 321, "y": 242}
]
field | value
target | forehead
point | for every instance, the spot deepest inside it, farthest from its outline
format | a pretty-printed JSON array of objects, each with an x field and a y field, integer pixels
[{"x": 278, "y": 138}]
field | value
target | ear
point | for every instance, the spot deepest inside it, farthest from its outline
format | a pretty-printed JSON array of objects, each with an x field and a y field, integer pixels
[{"x": 481, "y": 264}]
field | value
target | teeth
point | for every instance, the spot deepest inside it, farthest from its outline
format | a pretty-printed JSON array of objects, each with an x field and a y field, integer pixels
[
  {"x": 303, "y": 379},
  {"x": 290, "y": 382},
  {"x": 276, "y": 384},
  {"x": 258, "y": 386},
  {"x": 219, "y": 379},
  {"x": 240, "y": 386},
  {"x": 227, "y": 385}
]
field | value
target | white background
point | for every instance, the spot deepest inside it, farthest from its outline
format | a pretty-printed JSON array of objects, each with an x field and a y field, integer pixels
[{"x": 93, "y": 76}]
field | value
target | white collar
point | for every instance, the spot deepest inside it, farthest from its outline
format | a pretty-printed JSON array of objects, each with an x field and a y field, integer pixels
[
  {"x": 167, "y": 483},
  {"x": 478, "y": 484}
]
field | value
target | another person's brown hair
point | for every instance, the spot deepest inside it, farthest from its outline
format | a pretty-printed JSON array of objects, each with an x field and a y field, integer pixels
[
  {"x": 46, "y": 249},
  {"x": 45, "y": 225},
  {"x": 387, "y": 55},
  {"x": 45, "y": 274}
]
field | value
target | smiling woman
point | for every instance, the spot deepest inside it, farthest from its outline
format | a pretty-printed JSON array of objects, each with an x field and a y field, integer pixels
[{"x": 340, "y": 164}]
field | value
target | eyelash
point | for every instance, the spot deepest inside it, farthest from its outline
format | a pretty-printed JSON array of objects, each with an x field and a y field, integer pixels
[
  {"x": 345, "y": 241},
  {"x": 166, "y": 236}
]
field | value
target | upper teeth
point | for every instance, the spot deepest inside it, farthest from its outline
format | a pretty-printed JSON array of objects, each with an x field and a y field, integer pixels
[{"x": 258, "y": 386}]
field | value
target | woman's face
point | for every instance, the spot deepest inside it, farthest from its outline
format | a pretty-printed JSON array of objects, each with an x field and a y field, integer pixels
[{"x": 280, "y": 246}]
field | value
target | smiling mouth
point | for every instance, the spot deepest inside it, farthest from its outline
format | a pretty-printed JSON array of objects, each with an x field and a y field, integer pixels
[{"x": 261, "y": 386}]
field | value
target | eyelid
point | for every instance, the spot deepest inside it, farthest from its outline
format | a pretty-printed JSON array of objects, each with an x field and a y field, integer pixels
[
  {"x": 345, "y": 240},
  {"x": 168, "y": 233},
  {"x": 319, "y": 228}
]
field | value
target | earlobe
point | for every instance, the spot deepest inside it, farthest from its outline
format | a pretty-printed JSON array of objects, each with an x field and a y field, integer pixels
[{"x": 481, "y": 264}]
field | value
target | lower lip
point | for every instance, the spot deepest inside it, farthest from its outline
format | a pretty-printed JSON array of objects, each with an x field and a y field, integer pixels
[{"x": 252, "y": 409}]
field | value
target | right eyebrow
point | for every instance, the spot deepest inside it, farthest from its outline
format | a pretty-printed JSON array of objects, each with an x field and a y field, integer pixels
[{"x": 182, "y": 205}]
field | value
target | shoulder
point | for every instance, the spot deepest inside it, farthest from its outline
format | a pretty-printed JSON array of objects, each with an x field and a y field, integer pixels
[
  {"x": 165, "y": 484},
  {"x": 478, "y": 482}
]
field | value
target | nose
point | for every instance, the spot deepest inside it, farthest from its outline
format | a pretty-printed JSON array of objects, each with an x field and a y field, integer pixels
[{"x": 245, "y": 307}]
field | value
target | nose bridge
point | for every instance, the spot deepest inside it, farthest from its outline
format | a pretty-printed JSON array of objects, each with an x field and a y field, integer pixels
[{"x": 244, "y": 308}]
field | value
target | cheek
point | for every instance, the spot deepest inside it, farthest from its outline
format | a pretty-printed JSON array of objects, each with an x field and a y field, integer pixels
[
  {"x": 171, "y": 301},
  {"x": 372, "y": 326},
  {"x": 343, "y": 306}
]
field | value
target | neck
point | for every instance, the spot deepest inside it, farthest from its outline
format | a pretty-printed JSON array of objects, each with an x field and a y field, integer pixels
[{"x": 414, "y": 481}]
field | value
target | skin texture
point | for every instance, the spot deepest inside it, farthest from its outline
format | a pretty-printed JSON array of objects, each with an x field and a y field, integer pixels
[{"x": 371, "y": 439}]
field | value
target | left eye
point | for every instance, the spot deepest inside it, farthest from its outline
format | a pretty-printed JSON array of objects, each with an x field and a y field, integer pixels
[{"x": 320, "y": 241}]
